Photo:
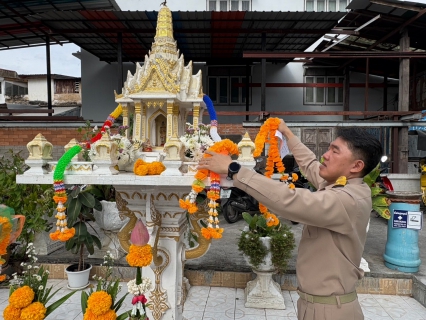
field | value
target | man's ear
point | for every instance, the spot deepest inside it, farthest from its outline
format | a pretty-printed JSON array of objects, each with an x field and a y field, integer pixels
[{"x": 357, "y": 166}]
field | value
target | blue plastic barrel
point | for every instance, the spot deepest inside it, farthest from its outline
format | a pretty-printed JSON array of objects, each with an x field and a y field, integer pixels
[{"x": 402, "y": 247}]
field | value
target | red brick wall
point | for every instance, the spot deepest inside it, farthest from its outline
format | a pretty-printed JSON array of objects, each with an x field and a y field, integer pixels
[
  {"x": 61, "y": 136},
  {"x": 21, "y": 136}
]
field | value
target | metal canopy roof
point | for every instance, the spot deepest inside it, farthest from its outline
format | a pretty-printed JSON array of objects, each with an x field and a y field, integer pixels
[
  {"x": 18, "y": 29},
  {"x": 201, "y": 36},
  {"x": 382, "y": 35}
]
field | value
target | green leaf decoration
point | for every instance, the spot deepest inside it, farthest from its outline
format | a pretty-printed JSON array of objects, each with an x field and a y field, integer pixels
[
  {"x": 381, "y": 201},
  {"x": 84, "y": 298},
  {"x": 58, "y": 303},
  {"x": 118, "y": 304},
  {"x": 384, "y": 212},
  {"x": 125, "y": 315},
  {"x": 376, "y": 191}
]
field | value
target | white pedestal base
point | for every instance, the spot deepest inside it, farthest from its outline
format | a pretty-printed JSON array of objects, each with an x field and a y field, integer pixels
[
  {"x": 172, "y": 168},
  {"x": 263, "y": 292}
]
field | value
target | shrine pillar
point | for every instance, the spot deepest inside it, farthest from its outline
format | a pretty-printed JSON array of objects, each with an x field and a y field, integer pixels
[
  {"x": 126, "y": 121},
  {"x": 195, "y": 114},
  {"x": 175, "y": 128},
  {"x": 170, "y": 124}
]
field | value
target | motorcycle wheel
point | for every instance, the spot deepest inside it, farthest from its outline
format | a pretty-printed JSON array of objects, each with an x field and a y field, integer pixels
[{"x": 230, "y": 214}]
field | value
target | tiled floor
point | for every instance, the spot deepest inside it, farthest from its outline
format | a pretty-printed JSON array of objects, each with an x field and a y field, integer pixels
[{"x": 214, "y": 303}]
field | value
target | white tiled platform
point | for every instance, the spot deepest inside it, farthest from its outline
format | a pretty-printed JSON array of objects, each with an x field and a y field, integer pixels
[{"x": 218, "y": 303}]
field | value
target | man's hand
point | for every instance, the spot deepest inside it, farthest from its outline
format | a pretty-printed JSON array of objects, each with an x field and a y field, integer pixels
[
  {"x": 285, "y": 130},
  {"x": 217, "y": 163}
]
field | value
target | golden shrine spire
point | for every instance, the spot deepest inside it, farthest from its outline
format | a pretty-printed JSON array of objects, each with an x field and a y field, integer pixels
[{"x": 164, "y": 42}]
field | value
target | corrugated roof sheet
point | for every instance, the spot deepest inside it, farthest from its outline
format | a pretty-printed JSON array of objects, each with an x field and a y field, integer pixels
[
  {"x": 18, "y": 28},
  {"x": 201, "y": 36}
]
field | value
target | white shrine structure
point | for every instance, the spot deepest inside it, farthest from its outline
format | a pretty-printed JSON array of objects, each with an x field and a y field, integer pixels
[{"x": 160, "y": 95}]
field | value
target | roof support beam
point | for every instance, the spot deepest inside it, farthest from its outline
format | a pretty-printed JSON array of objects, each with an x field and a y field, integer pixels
[
  {"x": 209, "y": 30},
  {"x": 390, "y": 34},
  {"x": 331, "y": 54},
  {"x": 396, "y": 5}
]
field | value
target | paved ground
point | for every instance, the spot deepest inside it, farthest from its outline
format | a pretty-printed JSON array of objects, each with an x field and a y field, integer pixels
[{"x": 213, "y": 303}]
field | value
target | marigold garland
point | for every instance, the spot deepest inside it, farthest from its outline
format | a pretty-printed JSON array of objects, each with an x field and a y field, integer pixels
[
  {"x": 266, "y": 134},
  {"x": 35, "y": 311},
  {"x": 62, "y": 232},
  {"x": 21, "y": 297},
  {"x": 225, "y": 146},
  {"x": 139, "y": 256}
]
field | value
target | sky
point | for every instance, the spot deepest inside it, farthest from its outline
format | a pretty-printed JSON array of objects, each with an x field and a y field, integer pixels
[{"x": 33, "y": 60}]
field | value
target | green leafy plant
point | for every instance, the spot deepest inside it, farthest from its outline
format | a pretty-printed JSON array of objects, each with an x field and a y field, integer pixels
[
  {"x": 379, "y": 199},
  {"x": 34, "y": 201},
  {"x": 109, "y": 284},
  {"x": 282, "y": 242},
  {"x": 80, "y": 205},
  {"x": 102, "y": 192}
]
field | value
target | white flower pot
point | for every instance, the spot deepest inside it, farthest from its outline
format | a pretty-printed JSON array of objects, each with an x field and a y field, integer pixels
[
  {"x": 78, "y": 279},
  {"x": 263, "y": 292}
]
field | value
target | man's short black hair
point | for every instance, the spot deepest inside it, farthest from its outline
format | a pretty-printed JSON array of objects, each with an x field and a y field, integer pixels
[{"x": 363, "y": 145}]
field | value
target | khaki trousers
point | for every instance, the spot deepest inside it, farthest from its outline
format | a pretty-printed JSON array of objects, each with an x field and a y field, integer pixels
[{"x": 317, "y": 311}]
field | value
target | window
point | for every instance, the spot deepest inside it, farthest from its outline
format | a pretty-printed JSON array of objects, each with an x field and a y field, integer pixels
[
  {"x": 229, "y": 5},
  {"x": 224, "y": 85},
  {"x": 14, "y": 90},
  {"x": 323, "y": 95},
  {"x": 326, "y": 5}
]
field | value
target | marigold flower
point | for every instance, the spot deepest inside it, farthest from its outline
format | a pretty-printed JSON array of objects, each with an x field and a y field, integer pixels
[
  {"x": 66, "y": 234},
  {"x": 21, "y": 297},
  {"x": 99, "y": 302},
  {"x": 193, "y": 208},
  {"x": 2, "y": 278},
  {"x": 11, "y": 313},
  {"x": 294, "y": 177},
  {"x": 139, "y": 256},
  {"x": 35, "y": 311},
  {"x": 55, "y": 235}
]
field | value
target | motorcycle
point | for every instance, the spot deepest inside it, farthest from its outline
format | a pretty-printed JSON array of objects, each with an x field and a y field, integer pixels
[{"x": 234, "y": 201}]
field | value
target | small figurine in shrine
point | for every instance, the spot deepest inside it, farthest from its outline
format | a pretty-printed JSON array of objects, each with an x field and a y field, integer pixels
[{"x": 147, "y": 147}]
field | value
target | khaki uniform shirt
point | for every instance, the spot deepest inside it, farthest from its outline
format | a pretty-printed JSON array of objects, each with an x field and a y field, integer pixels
[{"x": 335, "y": 221}]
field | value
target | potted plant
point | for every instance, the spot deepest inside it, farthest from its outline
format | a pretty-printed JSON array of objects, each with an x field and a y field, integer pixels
[
  {"x": 267, "y": 245},
  {"x": 80, "y": 205}
]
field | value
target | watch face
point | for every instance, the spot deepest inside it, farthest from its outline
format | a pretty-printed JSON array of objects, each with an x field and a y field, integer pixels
[{"x": 234, "y": 167}]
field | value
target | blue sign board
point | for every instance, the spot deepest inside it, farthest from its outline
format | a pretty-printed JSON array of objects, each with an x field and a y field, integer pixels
[{"x": 399, "y": 218}]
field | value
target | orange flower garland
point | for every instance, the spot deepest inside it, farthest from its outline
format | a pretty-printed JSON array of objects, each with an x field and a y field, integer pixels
[
  {"x": 267, "y": 135},
  {"x": 142, "y": 168},
  {"x": 225, "y": 146}
]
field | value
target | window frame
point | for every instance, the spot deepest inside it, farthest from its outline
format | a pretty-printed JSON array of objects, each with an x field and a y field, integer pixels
[
  {"x": 315, "y": 6},
  {"x": 228, "y": 5},
  {"x": 241, "y": 96},
  {"x": 325, "y": 102}
]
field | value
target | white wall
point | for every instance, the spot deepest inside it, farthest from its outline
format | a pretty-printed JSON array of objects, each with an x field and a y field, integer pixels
[
  {"x": 99, "y": 80},
  {"x": 2, "y": 91},
  {"x": 202, "y": 5},
  {"x": 37, "y": 89}
]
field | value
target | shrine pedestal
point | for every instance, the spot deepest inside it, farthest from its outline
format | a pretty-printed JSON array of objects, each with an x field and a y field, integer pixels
[{"x": 156, "y": 200}]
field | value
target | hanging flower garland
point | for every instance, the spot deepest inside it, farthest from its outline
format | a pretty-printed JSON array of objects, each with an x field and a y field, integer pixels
[
  {"x": 266, "y": 134},
  {"x": 62, "y": 232},
  {"x": 225, "y": 146}
]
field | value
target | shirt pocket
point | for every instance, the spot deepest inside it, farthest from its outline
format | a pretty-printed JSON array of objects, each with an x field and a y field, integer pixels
[{"x": 310, "y": 232}]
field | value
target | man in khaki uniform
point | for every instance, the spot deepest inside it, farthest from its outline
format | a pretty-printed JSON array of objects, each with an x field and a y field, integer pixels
[{"x": 335, "y": 217}]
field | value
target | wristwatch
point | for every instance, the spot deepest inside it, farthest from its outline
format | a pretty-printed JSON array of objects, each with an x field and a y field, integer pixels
[{"x": 233, "y": 168}]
